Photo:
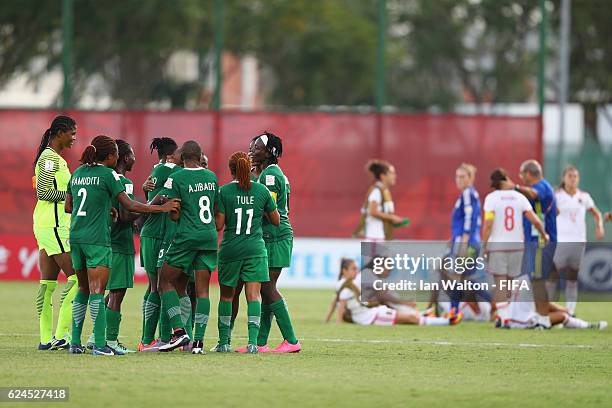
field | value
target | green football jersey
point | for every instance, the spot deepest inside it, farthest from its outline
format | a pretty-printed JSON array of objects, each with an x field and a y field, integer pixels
[
  {"x": 122, "y": 233},
  {"x": 244, "y": 211},
  {"x": 154, "y": 225},
  {"x": 93, "y": 189},
  {"x": 197, "y": 188},
  {"x": 273, "y": 178},
  {"x": 52, "y": 176}
]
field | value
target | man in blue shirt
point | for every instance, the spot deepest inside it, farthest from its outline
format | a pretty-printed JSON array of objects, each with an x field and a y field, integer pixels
[{"x": 539, "y": 250}]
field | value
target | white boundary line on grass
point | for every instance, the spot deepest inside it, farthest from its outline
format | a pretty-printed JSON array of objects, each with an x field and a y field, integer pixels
[
  {"x": 404, "y": 342},
  {"x": 451, "y": 343}
]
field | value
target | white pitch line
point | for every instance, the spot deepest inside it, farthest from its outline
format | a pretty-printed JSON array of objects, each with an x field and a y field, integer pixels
[
  {"x": 451, "y": 343},
  {"x": 403, "y": 342}
]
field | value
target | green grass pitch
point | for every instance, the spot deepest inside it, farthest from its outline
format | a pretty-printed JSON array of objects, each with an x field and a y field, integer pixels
[{"x": 340, "y": 366}]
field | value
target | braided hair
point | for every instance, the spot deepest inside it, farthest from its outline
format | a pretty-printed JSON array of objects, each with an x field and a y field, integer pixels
[
  {"x": 274, "y": 145},
  {"x": 60, "y": 124},
  {"x": 164, "y": 146},
  {"x": 100, "y": 148},
  {"x": 240, "y": 167},
  {"x": 124, "y": 148}
]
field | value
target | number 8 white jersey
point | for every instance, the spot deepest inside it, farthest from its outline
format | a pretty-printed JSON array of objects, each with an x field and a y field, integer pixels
[{"x": 507, "y": 208}]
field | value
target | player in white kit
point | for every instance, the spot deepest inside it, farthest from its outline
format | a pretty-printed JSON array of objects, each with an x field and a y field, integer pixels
[
  {"x": 573, "y": 204},
  {"x": 350, "y": 309},
  {"x": 522, "y": 313},
  {"x": 502, "y": 236}
]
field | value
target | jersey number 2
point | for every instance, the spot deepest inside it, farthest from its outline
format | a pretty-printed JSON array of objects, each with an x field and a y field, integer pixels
[
  {"x": 80, "y": 212},
  {"x": 249, "y": 212}
]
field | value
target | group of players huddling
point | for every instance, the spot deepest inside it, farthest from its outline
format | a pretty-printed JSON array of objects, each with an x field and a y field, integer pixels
[
  {"x": 84, "y": 225},
  {"x": 530, "y": 233}
]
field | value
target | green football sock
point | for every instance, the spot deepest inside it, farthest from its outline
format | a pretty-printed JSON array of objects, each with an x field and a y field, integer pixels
[
  {"x": 98, "y": 317},
  {"x": 113, "y": 320},
  {"x": 229, "y": 337},
  {"x": 151, "y": 317},
  {"x": 265, "y": 325},
  {"x": 254, "y": 317},
  {"x": 44, "y": 307},
  {"x": 62, "y": 331},
  {"x": 171, "y": 307},
  {"x": 185, "y": 305},
  {"x": 165, "y": 331},
  {"x": 79, "y": 308},
  {"x": 201, "y": 317},
  {"x": 224, "y": 321},
  {"x": 279, "y": 308},
  {"x": 144, "y": 318}
]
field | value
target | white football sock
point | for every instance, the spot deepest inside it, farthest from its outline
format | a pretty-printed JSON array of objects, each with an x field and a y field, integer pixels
[
  {"x": 433, "y": 321},
  {"x": 571, "y": 296},
  {"x": 575, "y": 323}
]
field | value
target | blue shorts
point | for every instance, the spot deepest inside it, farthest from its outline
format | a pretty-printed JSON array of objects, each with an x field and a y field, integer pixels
[{"x": 538, "y": 260}]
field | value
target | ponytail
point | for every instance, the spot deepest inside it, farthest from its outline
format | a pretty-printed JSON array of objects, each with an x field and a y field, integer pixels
[
  {"x": 43, "y": 144},
  {"x": 89, "y": 155},
  {"x": 100, "y": 148},
  {"x": 240, "y": 167},
  {"x": 60, "y": 124}
]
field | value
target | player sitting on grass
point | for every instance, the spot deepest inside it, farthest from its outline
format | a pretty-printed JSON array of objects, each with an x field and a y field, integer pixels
[
  {"x": 350, "y": 309},
  {"x": 194, "y": 246}
]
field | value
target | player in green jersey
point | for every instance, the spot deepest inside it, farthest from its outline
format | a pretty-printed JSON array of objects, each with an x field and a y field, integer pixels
[
  {"x": 121, "y": 274},
  {"x": 242, "y": 253},
  {"x": 264, "y": 151},
  {"x": 194, "y": 246},
  {"x": 151, "y": 238},
  {"x": 51, "y": 229},
  {"x": 89, "y": 197}
]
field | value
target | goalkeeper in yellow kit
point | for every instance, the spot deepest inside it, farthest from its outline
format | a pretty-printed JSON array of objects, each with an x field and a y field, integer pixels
[{"x": 51, "y": 229}]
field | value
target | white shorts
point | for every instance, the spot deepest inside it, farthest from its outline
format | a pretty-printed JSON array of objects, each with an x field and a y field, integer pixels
[
  {"x": 505, "y": 263},
  {"x": 385, "y": 316},
  {"x": 569, "y": 255},
  {"x": 405, "y": 309}
]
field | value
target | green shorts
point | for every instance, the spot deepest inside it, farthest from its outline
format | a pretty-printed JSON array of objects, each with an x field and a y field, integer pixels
[
  {"x": 122, "y": 272},
  {"x": 89, "y": 256},
  {"x": 190, "y": 260},
  {"x": 279, "y": 253},
  {"x": 249, "y": 270},
  {"x": 53, "y": 240},
  {"x": 149, "y": 251}
]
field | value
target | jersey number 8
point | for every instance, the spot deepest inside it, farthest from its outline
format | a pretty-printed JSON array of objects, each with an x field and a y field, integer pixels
[{"x": 205, "y": 213}]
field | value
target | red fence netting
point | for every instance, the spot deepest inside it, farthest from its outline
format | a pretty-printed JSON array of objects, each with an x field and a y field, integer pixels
[{"x": 325, "y": 156}]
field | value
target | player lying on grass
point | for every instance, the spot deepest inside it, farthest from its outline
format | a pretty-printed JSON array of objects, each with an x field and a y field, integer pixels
[
  {"x": 348, "y": 306},
  {"x": 194, "y": 247},
  {"x": 522, "y": 314},
  {"x": 242, "y": 253},
  {"x": 89, "y": 197}
]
